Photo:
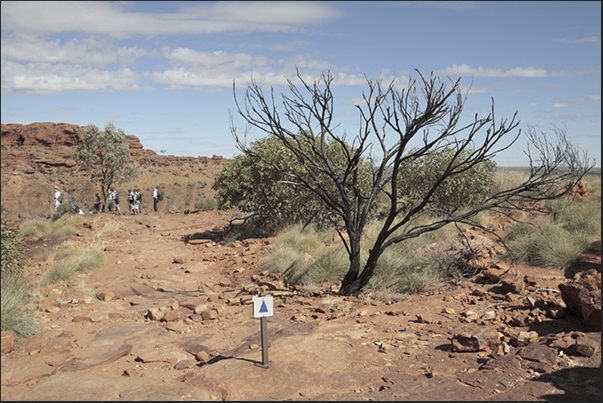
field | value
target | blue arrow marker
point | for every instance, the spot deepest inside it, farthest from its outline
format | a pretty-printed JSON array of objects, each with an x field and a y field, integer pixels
[{"x": 263, "y": 308}]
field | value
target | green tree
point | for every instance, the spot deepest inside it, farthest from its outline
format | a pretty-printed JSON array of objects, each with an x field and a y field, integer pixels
[
  {"x": 266, "y": 191},
  {"x": 426, "y": 112},
  {"x": 106, "y": 156},
  {"x": 469, "y": 188}
]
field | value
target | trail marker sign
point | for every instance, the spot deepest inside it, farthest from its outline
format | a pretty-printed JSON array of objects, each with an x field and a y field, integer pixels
[{"x": 262, "y": 306}]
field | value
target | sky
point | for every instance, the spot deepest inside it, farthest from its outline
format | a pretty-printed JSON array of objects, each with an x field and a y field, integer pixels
[{"x": 164, "y": 70}]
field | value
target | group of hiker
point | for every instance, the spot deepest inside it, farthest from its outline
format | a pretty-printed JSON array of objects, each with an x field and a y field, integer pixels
[{"x": 113, "y": 201}]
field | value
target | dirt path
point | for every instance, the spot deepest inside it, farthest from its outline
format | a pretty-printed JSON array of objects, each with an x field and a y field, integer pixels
[{"x": 169, "y": 317}]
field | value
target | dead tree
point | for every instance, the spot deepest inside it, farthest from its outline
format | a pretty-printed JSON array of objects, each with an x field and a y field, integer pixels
[{"x": 428, "y": 113}]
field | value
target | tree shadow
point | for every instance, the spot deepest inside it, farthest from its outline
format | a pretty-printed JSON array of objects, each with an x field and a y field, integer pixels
[
  {"x": 591, "y": 260},
  {"x": 578, "y": 383},
  {"x": 215, "y": 236},
  {"x": 220, "y": 357}
]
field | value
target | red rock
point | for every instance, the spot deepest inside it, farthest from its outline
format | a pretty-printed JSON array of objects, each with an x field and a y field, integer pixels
[
  {"x": 210, "y": 314},
  {"x": 467, "y": 342},
  {"x": 7, "y": 341},
  {"x": 581, "y": 300},
  {"x": 584, "y": 346},
  {"x": 173, "y": 316}
]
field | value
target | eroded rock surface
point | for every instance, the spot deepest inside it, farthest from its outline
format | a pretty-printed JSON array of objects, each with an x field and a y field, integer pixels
[{"x": 149, "y": 326}]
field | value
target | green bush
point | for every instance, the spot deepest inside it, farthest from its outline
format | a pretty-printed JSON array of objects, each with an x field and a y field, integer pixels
[
  {"x": 14, "y": 254},
  {"x": 254, "y": 186},
  {"x": 417, "y": 176},
  {"x": 64, "y": 208},
  {"x": 206, "y": 204}
]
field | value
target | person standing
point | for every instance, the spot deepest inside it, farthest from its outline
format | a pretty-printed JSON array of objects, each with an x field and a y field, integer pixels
[
  {"x": 137, "y": 200},
  {"x": 116, "y": 200},
  {"x": 155, "y": 198},
  {"x": 57, "y": 198},
  {"x": 131, "y": 201},
  {"x": 97, "y": 203},
  {"x": 110, "y": 199}
]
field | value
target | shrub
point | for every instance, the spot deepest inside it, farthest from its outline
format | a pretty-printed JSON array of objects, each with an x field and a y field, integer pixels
[
  {"x": 206, "y": 204},
  {"x": 64, "y": 208},
  {"x": 16, "y": 315},
  {"x": 329, "y": 266},
  {"x": 35, "y": 228},
  {"x": 14, "y": 288},
  {"x": 64, "y": 225},
  {"x": 256, "y": 187},
  {"x": 286, "y": 259},
  {"x": 300, "y": 238},
  {"x": 417, "y": 176},
  {"x": 14, "y": 255},
  {"x": 301, "y": 255},
  {"x": 543, "y": 243},
  {"x": 81, "y": 261},
  {"x": 582, "y": 217}
]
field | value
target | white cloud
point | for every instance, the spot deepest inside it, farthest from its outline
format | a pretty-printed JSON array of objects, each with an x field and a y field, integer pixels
[
  {"x": 42, "y": 78},
  {"x": 594, "y": 98},
  {"x": 217, "y": 58},
  {"x": 87, "y": 52},
  {"x": 559, "y": 105},
  {"x": 466, "y": 70},
  {"x": 115, "y": 19},
  {"x": 535, "y": 103}
]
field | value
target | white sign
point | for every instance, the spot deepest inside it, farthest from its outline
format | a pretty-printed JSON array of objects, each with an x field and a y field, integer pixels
[{"x": 262, "y": 306}]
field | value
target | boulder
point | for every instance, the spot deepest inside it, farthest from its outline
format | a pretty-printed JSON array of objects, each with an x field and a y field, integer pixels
[
  {"x": 469, "y": 342},
  {"x": 582, "y": 296}
]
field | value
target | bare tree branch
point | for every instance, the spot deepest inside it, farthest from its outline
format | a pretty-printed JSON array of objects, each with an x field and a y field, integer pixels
[{"x": 427, "y": 112}]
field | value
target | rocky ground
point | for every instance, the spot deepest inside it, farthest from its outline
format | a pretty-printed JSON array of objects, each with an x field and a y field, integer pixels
[{"x": 169, "y": 317}]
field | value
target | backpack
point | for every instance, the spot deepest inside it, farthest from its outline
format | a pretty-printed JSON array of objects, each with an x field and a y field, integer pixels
[
  {"x": 61, "y": 198},
  {"x": 159, "y": 195},
  {"x": 130, "y": 197},
  {"x": 117, "y": 197}
]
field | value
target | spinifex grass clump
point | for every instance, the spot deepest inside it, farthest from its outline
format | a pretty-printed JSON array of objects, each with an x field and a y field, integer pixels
[
  {"x": 64, "y": 270},
  {"x": 312, "y": 259},
  {"x": 40, "y": 226},
  {"x": 16, "y": 312},
  {"x": 543, "y": 242}
]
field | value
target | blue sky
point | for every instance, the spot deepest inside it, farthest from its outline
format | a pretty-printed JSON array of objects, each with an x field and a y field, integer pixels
[{"x": 163, "y": 71}]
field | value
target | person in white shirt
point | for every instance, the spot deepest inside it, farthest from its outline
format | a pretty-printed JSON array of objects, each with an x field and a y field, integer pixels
[
  {"x": 155, "y": 198},
  {"x": 57, "y": 196},
  {"x": 116, "y": 199},
  {"x": 110, "y": 200}
]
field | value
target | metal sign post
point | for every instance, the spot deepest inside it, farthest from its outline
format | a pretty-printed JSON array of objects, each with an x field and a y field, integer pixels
[
  {"x": 262, "y": 308},
  {"x": 264, "y": 334}
]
